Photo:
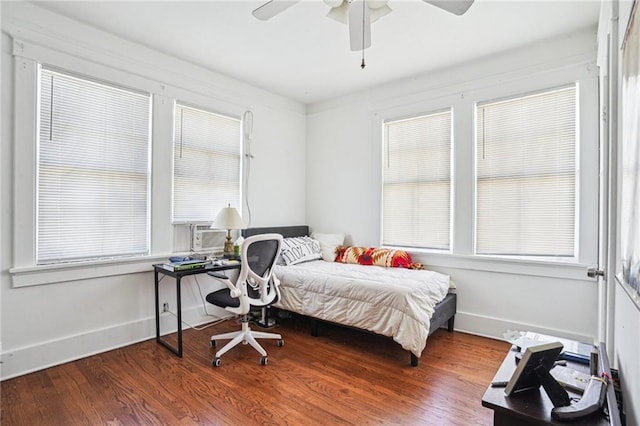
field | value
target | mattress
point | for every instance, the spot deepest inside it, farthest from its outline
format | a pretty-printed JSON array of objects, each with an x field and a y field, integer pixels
[{"x": 393, "y": 302}]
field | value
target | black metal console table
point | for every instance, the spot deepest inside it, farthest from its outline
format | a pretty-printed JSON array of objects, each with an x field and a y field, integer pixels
[{"x": 178, "y": 275}]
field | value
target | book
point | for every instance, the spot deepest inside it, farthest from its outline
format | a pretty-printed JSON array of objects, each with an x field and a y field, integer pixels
[
  {"x": 185, "y": 265},
  {"x": 571, "y": 379}
]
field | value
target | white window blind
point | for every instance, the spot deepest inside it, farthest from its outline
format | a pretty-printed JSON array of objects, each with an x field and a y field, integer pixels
[
  {"x": 206, "y": 166},
  {"x": 416, "y": 195},
  {"x": 93, "y": 170},
  {"x": 526, "y": 175}
]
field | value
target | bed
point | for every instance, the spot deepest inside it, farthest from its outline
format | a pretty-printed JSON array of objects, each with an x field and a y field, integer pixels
[{"x": 406, "y": 305}]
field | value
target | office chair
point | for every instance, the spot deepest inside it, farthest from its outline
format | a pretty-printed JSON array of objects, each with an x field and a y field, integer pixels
[{"x": 256, "y": 286}]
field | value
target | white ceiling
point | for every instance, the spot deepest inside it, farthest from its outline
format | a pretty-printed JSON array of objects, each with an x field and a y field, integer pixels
[{"x": 304, "y": 55}]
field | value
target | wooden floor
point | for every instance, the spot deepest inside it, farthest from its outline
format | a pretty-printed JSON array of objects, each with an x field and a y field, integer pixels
[{"x": 342, "y": 377}]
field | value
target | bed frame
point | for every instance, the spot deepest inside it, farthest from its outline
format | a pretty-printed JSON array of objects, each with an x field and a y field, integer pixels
[{"x": 443, "y": 316}]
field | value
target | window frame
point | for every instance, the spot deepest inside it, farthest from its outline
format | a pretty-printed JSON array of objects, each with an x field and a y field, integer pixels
[
  {"x": 238, "y": 118},
  {"x": 462, "y": 98},
  {"x": 385, "y": 147},
  {"x": 165, "y": 239},
  {"x": 568, "y": 258},
  {"x": 147, "y": 166}
]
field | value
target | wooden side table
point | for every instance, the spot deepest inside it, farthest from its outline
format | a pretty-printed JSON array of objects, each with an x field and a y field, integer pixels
[{"x": 533, "y": 407}]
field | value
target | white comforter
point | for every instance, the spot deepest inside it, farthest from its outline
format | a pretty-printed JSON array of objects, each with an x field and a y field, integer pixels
[{"x": 393, "y": 302}]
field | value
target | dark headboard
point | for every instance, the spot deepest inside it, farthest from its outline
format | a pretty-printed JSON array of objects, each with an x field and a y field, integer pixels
[{"x": 285, "y": 231}]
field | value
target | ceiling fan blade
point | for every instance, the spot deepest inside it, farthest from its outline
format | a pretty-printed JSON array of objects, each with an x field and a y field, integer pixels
[
  {"x": 457, "y": 7},
  {"x": 359, "y": 25},
  {"x": 272, "y": 8}
]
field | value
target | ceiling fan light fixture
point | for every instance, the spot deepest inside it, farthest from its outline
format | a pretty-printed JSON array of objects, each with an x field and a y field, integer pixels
[
  {"x": 377, "y": 4},
  {"x": 340, "y": 13},
  {"x": 380, "y": 12},
  {"x": 457, "y": 7},
  {"x": 333, "y": 3}
]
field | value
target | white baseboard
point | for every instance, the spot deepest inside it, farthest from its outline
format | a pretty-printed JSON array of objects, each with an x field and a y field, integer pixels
[
  {"x": 494, "y": 328},
  {"x": 19, "y": 361},
  {"x": 27, "y": 359}
]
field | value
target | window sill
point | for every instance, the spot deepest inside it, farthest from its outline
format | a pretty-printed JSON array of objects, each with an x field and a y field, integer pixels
[
  {"x": 549, "y": 268},
  {"x": 64, "y": 272}
]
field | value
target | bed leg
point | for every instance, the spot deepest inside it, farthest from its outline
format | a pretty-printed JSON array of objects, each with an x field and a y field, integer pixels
[
  {"x": 414, "y": 360},
  {"x": 314, "y": 328},
  {"x": 450, "y": 324}
]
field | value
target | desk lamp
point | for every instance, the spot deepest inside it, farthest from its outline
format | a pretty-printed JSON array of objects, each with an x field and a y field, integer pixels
[{"x": 228, "y": 218}]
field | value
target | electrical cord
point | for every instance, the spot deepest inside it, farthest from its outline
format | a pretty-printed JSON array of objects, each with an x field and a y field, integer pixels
[
  {"x": 200, "y": 328},
  {"x": 247, "y": 119},
  {"x": 204, "y": 304},
  {"x": 218, "y": 319}
]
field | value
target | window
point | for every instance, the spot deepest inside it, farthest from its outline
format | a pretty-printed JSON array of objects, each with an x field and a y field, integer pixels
[
  {"x": 526, "y": 175},
  {"x": 416, "y": 195},
  {"x": 206, "y": 164},
  {"x": 92, "y": 170}
]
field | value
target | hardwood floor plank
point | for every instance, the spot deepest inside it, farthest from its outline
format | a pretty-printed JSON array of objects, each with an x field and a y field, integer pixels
[{"x": 342, "y": 377}]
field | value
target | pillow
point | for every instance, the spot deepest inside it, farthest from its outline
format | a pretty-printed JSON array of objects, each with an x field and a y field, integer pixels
[
  {"x": 389, "y": 258},
  {"x": 329, "y": 243},
  {"x": 299, "y": 249}
]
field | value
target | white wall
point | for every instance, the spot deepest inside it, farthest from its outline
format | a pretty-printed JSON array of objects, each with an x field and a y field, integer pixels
[
  {"x": 44, "y": 325},
  {"x": 339, "y": 178},
  {"x": 344, "y": 184}
]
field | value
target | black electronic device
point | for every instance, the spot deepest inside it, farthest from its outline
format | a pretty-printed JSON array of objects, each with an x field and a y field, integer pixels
[{"x": 532, "y": 372}]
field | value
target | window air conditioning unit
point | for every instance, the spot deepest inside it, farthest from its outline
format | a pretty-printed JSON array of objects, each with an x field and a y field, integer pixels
[{"x": 207, "y": 240}]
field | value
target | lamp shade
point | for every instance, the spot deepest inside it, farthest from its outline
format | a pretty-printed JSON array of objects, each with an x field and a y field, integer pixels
[{"x": 228, "y": 218}]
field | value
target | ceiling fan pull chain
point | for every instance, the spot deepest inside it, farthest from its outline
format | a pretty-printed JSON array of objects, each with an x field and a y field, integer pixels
[{"x": 364, "y": 4}]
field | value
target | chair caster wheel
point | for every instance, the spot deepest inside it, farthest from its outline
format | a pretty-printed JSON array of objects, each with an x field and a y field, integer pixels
[
  {"x": 213, "y": 343},
  {"x": 280, "y": 343},
  {"x": 263, "y": 360},
  {"x": 216, "y": 362}
]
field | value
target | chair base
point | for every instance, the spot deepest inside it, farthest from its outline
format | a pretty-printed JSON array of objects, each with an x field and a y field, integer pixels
[
  {"x": 245, "y": 336},
  {"x": 265, "y": 321}
]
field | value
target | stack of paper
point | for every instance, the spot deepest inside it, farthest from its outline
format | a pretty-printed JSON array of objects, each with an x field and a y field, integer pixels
[{"x": 573, "y": 350}]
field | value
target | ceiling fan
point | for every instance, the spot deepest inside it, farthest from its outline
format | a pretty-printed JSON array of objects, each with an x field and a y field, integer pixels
[{"x": 357, "y": 14}]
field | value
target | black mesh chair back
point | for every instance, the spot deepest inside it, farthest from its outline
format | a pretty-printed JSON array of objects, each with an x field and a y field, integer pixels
[{"x": 260, "y": 256}]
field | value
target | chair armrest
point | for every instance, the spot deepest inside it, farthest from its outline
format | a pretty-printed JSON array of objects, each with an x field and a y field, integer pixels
[{"x": 233, "y": 290}]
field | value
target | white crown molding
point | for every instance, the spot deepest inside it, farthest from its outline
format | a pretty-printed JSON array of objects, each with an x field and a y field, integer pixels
[
  {"x": 32, "y": 24},
  {"x": 578, "y": 49}
]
